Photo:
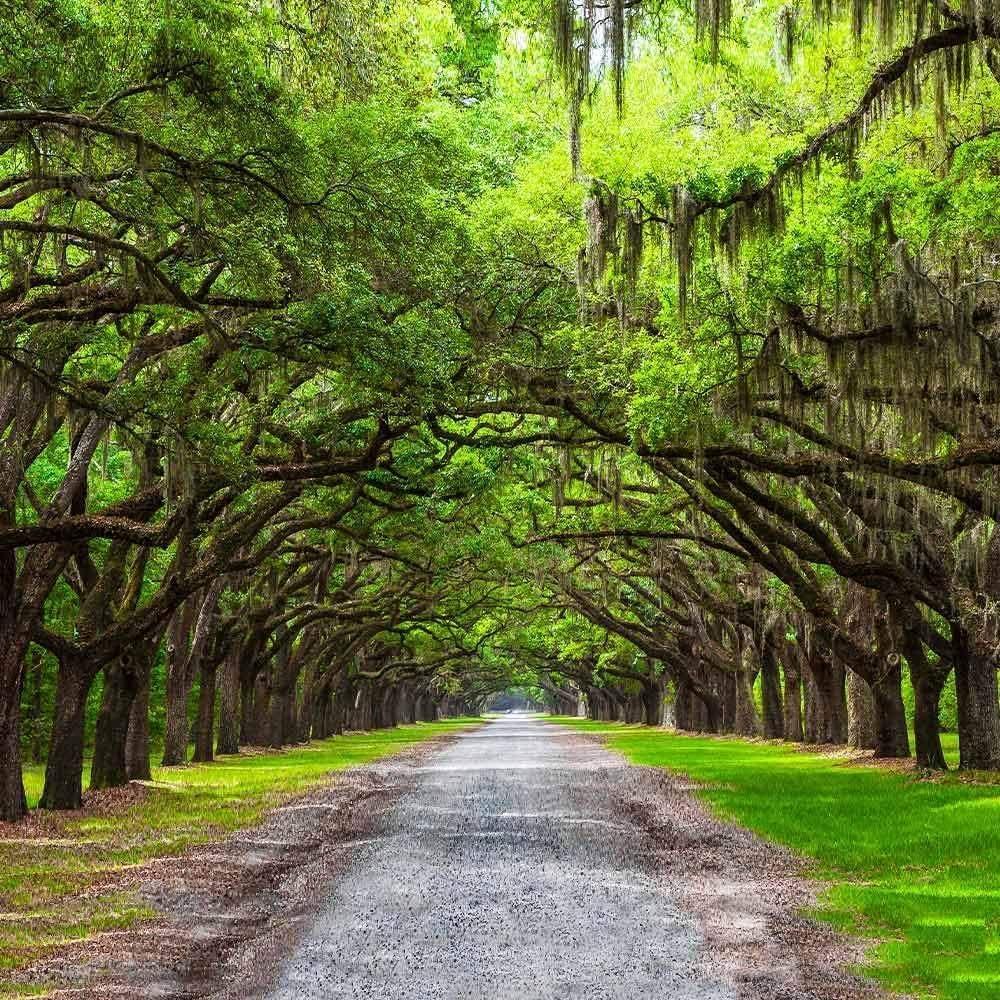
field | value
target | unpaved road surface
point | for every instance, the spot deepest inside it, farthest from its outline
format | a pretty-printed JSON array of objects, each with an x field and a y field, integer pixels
[
  {"x": 518, "y": 867},
  {"x": 519, "y": 860}
]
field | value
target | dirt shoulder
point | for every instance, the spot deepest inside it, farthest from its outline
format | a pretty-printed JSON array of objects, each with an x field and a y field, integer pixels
[{"x": 749, "y": 897}]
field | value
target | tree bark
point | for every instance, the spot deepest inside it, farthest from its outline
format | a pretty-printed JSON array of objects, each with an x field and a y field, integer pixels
[
  {"x": 770, "y": 691},
  {"x": 183, "y": 665},
  {"x": 892, "y": 737},
  {"x": 827, "y": 700},
  {"x": 13, "y": 802},
  {"x": 205, "y": 723},
  {"x": 653, "y": 703},
  {"x": 36, "y": 663},
  {"x": 64, "y": 768},
  {"x": 747, "y": 722},
  {"x": 228, "y": 741},
  {"x": 137, "y": 740},
  {"x": 175, "y": 737},
  {"x": 121, "y": 682},
  {"x": 978, "y": 708},
  {"x": 927, "y": 722},
  {"x": 14, "y": 643},
  {"x": 793, "y": 698},
  {"x": 860, "y": 713}
]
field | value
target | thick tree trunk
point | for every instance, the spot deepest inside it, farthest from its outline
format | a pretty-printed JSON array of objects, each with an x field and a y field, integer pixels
[
  {"x": 978, "y": 711},
  {"x": 927, "y": 722},
  {"x": 635, "y": 708},
  {"x": 261, "y": 713},
  {"x": 708, "y": 711},
  {"x": 205, "y": 724},
  {"x": 322, "y": 711},
  {"x": 861, "y": 732},
  {"x": 793, "y": 701},
  {"x": 727, "y": 701},
  {"x": 836, "y": 693},
  {"x": 304, "y": 710},
  {"x": 13, "y": 802},
  {"x": 770, "y": 691},
  {"x": 827, "y": 701},
  {"x": 175, "y": 738},
  {"x": 927, "y": 684},
  {"x": 36, "y": 663},
  {"x": 892, "y": 738},
  {"x": 248, "y": 687},
  {"x": 813, "y": 731},
  {"x": 183, "y": 664},
  {"x": 337, "y": 707},
  {"x": 137, "y": 741},
  {"x": 652, "y": 697},
  {"x": 64, "y": 768},
  {"x": 277, "y": 734},
  {"x": 747, "y": 722},
  {"x": 121, "y": 683},
  {"x": 229, "y": 698}
]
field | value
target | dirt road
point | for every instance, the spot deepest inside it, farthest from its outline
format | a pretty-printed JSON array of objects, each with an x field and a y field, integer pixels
[
  {"x": 512, "y": 870},
  {"x": 520, "y": 860}
]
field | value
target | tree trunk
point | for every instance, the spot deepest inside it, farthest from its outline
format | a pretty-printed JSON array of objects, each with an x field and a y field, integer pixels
[
  {"x": 205, "y": 723},
  {"x": 652, "y": 696},
  {"x": 121, "y": 683},
  {"x": 64, "y": 768},
  {"x": 978, "y": 710},
  {"x": 747, "y": 722},
  {"x": 36, "y": 663},
  {"x": 927, "y": 683},
  {"x": 183, "y": 664},
  {"x": 13, "y": 802},
  {"x": 926, "y": 720},
  {"x": 248, "y": 688},
  {"x": 892, "y": 737},
  {"x": 813, "y": 727},
  {"x": 836, "y": 694},
  {"x": 261, "y": 709},
  {"x": 793, "y": 700},
  {"x": 827, "y": 700},
  {"x": 770, "y": 691},
  {"x": 861, "y": 732},
  {"x": 228, "y": 741},
  {"x": 175, "y": 739},
  {"x": 137, "y": 740}
]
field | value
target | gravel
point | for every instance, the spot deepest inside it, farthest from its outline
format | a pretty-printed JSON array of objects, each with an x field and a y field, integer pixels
[
  {"x": 510, "y": 871},
  {"x": 519, "y": 860}
]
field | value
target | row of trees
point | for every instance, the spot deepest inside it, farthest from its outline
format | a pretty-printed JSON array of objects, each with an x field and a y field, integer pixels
[
  {"x": 226, "y": 275},
  {"x": 774, "y": 415},
  {"x": 335, "y": 393}
]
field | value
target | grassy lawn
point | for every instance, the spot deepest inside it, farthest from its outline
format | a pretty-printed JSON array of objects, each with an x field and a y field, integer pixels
[
  {"x": 914, "y": 863},
  {"x": 47, "y": 893}
]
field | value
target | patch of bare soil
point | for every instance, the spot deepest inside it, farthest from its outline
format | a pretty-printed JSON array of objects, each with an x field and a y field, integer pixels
[
  {"x": 46, "y": 827},
  {"x": 748, "y": 897},
  {"x": 229, "y": 911}
]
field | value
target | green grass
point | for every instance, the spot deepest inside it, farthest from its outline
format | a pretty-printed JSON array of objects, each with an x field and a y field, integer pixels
[
  {"x": 47, "y": 894},
  {"x": 913, "y": 863}
]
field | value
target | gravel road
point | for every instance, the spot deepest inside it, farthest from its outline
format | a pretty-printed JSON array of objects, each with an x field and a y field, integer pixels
[{"x": 510, "y": 871}]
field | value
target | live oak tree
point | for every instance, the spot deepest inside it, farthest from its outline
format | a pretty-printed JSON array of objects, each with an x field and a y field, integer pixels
[{"x": 357, "y": 365}]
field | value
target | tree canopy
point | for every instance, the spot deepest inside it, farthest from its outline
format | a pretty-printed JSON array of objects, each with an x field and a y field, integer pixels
[{"x": 359, "y": 362}]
